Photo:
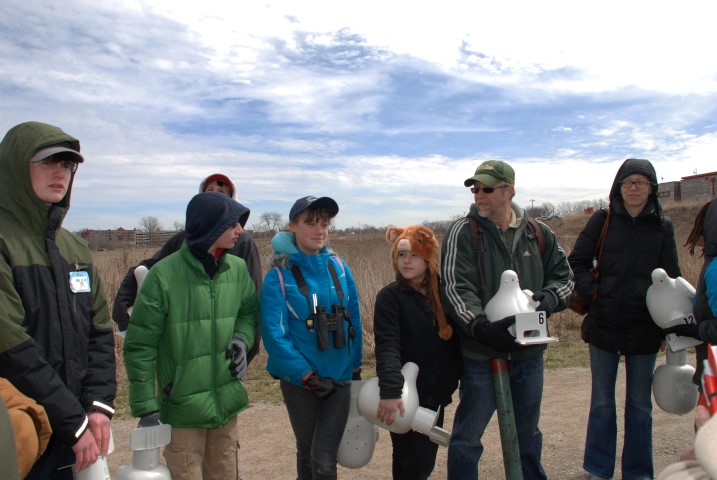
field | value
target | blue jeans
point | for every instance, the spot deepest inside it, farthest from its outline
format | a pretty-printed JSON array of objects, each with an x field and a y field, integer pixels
[
  {"x": 600, "y": 444},
  {"x": 476, "y": 407},
  {"x": 318, "y": 427}
]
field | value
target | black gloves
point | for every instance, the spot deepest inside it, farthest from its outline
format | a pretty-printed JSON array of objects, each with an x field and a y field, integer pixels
[
  {"x": 548, "y": 301},
  {"x": 685, "y": 330},
  {"x": 149, "y": 420},
  {"x": 494, "y": 334},
  {"x": 356, "y": 375},
  {"x": 321, "y": 387},
  {"x": 236, "y": 351}
]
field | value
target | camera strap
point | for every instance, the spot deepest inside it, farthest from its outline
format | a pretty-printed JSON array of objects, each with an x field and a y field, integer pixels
[{"x": 304, "y": 289}]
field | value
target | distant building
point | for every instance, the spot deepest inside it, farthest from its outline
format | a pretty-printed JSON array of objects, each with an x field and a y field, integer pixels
[
  {"x": 120, "y": 236},
  {"x": 669, "y": 192},
  {"x": 698, "y": 187},
  {"x": 694, "y": 187}
]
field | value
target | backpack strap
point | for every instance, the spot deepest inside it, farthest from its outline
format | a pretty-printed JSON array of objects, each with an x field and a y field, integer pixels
[
  {"x": 281, "y": 281},
  {"x": 534, "y": 233},
  {"x": 477, "y": 243},
  {"x": 337, "y": 282}
]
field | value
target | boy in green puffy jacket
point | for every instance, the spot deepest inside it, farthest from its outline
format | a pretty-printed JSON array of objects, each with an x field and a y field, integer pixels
[{"x": 194, "y": 320}]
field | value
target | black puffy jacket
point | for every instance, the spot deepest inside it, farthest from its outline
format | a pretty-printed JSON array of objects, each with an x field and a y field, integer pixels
[{"x": 618, "y": 320}]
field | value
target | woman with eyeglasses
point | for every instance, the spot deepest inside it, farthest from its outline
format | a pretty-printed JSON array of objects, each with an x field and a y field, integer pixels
[{"x": 639, "y": 239}]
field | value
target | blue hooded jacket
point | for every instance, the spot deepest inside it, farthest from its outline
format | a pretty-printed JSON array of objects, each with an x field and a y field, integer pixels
[{"x": 291, "y": 345}]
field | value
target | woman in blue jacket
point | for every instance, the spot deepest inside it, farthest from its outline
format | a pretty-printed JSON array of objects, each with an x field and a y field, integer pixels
[{"x": 312, "y": 332}]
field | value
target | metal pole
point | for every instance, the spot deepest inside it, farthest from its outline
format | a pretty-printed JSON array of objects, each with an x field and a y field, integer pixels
[{"x": 506, "y": 419}]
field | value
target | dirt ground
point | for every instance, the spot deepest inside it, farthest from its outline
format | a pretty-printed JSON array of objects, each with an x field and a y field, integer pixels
[{"x": 268, "y": 452}]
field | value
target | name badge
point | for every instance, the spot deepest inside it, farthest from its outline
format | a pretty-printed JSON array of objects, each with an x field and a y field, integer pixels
[{"x": 80, "y": 282}]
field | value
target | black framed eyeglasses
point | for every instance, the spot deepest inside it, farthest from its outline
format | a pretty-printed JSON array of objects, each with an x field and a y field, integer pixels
[
  {"x": 475, "y": 190},
  {"x": 640, "y": 184},
  {"x": 51, "y": 162}
]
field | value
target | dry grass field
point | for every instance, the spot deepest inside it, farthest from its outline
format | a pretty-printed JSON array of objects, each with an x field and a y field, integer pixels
[{"x": 264, "y": 425}]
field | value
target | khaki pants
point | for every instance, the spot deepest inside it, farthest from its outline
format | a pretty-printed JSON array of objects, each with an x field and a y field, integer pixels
[{"x": 204, "y": 453}]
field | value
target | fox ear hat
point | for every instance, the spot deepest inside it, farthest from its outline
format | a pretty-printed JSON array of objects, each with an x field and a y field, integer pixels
[{"x": 421, "y": 241}]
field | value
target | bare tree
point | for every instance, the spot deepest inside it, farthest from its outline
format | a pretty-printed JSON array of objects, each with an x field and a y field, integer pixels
[
  {"x": 178, "y": 225},
  {"x": 151, "y": 226},
  {"x": 440, "y": 227},
  {"x": 272, "y": 220}
]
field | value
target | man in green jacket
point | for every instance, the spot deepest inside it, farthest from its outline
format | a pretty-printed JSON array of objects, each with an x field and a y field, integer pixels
[
  {"x": 470, "y": 278},
  {"x": 56, "y": 342},
  {"x": 192, "y": 324}
]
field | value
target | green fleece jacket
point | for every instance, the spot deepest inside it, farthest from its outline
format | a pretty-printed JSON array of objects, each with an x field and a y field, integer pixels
[
  {"x": 181, "y": 325},
  {"x": 464, "y": 300}
]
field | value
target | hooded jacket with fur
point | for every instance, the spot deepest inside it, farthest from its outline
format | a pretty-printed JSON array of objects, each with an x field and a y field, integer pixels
[
  {"x": 618, "y": 320},
  {"x": 190, "y": 305},
  {"x": 56, "y": 345},
  {"x": 291, "y": 346}
]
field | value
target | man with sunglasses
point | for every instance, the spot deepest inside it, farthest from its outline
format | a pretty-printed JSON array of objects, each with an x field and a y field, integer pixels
[
  {"x": 56, "y": 345},
  {"x": 470, "y": 278},
  {"x": 244, "y": 248}
]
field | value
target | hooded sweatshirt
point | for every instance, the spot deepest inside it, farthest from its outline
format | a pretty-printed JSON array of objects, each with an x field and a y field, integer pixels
[
  {"x": 618, "y": 320},
  {"x": 209, "y": 214},
  {"x": 56, "y": 345}
]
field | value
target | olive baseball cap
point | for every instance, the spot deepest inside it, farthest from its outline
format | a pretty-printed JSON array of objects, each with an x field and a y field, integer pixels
[{"x": 491, "y": 172}]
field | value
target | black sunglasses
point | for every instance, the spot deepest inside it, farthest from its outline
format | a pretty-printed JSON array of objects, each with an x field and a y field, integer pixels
[{"x": 475, "y": 190}]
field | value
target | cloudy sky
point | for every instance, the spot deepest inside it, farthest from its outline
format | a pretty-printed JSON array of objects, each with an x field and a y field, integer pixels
[{"x": 386, "y": 106}]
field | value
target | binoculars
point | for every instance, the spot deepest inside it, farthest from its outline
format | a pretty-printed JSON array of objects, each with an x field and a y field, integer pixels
[{"x": 332, "y": 323}]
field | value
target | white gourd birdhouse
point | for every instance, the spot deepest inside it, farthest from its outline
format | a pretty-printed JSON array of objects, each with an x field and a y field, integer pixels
[
  {"x": 668, "y": 299},
  {"x": 669, "y": 302},
  {"x": 509, "y": 299},
  {"x": 417, "y": 418},
  {"x": 360, "y": 436},
  {"x": 672, "y": 384},
  {"x": 530, "y": 327}
]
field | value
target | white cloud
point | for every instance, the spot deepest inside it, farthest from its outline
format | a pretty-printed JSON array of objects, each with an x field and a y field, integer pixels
[{"x": 387, "y": 106}]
